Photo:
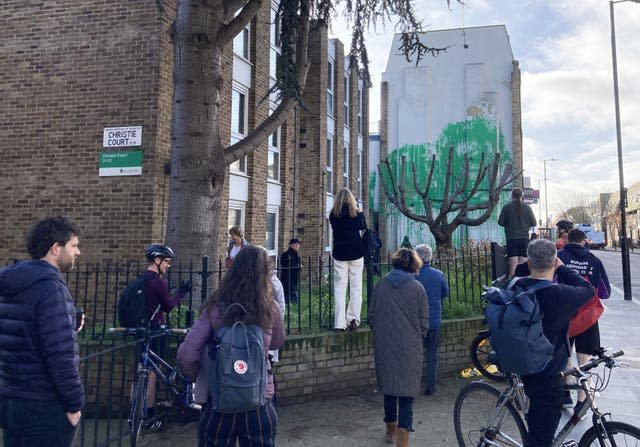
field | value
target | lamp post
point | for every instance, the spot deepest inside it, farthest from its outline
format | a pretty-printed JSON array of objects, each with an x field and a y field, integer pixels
[
  {"x": 546, "y": 201},
  {"x": 624, "y": 246}
]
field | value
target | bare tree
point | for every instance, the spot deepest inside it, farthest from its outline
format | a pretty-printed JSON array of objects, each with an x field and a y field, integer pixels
[
  {"x": 459, "y": 195},
  {"x": 201, "y": 33},
  {"x": 577, "y": 206}
]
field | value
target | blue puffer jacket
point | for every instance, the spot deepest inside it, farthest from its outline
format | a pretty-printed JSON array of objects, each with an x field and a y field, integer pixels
[{"x": 38, "y": 348}]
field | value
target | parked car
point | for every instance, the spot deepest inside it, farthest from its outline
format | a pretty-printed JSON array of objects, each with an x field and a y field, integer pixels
[{"x": 595, "y": 239}]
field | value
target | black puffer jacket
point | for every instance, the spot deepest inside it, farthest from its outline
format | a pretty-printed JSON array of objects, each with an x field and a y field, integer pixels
[{"x": 38, "y": 348}]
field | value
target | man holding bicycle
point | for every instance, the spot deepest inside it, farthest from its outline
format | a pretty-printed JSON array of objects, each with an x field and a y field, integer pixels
[
  {"x": 558, "y": 304},
  {"x": 158, "y": 302}
]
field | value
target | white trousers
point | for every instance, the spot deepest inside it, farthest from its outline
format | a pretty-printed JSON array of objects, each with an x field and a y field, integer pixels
[{"x": 347, "y": 273}]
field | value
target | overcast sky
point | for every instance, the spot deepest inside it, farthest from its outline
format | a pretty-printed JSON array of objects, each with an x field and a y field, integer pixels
[{"x": 564, "y": 50}]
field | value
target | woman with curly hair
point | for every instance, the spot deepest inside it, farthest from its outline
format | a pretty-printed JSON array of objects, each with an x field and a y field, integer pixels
[{"x": 247, "y": 283}]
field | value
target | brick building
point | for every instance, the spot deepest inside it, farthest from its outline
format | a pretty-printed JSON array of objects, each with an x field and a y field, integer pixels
[{"x": 77, "y": 68}]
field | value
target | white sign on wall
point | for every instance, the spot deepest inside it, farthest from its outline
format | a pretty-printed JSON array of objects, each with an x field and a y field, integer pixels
[{"x": 122, "y": 136}]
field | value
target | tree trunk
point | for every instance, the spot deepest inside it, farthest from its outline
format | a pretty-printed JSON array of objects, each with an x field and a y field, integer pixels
[{"x": 197, "y": 174}]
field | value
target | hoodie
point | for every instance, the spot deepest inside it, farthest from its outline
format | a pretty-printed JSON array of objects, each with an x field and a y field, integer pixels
[
  {"x": 579, "y": 259},
  {"x": 38, "y": 348}
]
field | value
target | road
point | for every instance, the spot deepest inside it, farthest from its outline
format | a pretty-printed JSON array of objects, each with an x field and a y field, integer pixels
[{"x": 612, "y": 261}]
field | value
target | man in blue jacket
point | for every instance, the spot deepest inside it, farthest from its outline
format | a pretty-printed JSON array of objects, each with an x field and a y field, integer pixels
[
  {"x": 41, "y": 394},
  {"x": 437, "y": 288}
]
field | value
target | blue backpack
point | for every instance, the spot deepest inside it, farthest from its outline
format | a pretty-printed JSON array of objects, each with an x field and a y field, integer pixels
[
  {"x": 237, "y": 368},
  {"x": 515, "y": 326}
]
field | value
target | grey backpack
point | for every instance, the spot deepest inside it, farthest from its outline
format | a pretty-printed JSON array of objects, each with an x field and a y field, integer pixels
[
  {"x": 237, "y": 368},
  {"x": 515, "y": 325}
]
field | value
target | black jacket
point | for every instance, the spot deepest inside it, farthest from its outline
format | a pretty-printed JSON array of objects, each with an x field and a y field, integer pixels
[
  {"x": 290, "y": 269},
  {"x": 38, "y": 348},
  {"x": 579, "y": 259},
  {"x": 347, "y": 242}
]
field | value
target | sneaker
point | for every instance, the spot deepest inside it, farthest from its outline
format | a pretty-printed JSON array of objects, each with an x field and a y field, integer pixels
[
  {"x": 577, "y": 408},
  {"x": 154, "y": 425},
  {"x": 430, "y": 392},
  {"x": 353, "y": 325},
  {"x": 568, "y": 402}
]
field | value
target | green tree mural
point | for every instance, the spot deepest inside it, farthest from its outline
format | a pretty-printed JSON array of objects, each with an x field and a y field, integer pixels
[{"x": 456, "y": 180}]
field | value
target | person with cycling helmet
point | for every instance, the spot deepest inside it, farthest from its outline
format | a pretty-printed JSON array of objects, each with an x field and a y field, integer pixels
[
  {"x": 158, "y": 302},
  {"x": 562, "y": 230}
]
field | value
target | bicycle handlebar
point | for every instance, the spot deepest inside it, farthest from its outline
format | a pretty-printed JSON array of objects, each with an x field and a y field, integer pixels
[
  {"x": 144, "y": 331},
  {"x": 595, "y": 361}
]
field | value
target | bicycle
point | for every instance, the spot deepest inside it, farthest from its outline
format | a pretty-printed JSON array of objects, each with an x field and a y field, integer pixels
[
  {"x": 486, "y": 416},
  {"x": 480, "y": 350},
  {"x": 183, "y": 406}
]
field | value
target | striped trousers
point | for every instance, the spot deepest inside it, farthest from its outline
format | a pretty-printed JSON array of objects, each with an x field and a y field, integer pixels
[{"x": 251, "y": 428}]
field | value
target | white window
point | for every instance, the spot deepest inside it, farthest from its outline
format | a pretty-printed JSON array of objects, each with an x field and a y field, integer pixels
[
  {"x": 239, "y": 111},
  {"x": 241, "y": 43},
  {"x": 359, "y": 177},
  {"x": 346, "y": 100},
  {"x": 345, "y": 171},
  {"x": 271, "y": 236},
  {"x": 360, "y": 108},
  {"x": 239, "y": 122},
  {"x": 236, "y": 214},
  {"x": 330, "y": 87},
  {"x": 273, "y": 160},
  {"x": 329, "y": 171},
  {"x": 274, "y": 41},
  {"x": 329, "y": 238}
]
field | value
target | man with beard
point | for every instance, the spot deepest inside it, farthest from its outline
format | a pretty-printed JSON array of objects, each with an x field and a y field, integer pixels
[{"x": 41, "y": 394}]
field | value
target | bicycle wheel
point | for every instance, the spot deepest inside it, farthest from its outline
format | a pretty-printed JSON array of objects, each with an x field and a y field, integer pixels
[
  {"x": 479, "y": 422},
  {"x": 618, "y": 434},
  {"x": 479, "y": 352},
  {"x": 138, "y": 403}
]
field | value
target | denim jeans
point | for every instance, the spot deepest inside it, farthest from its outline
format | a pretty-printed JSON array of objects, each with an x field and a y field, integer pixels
[
  {"x": 546, "y": 395},
  {"x": 32, "y": 423},
  {"x": 399, "y": 408},
  {"x": 431, "y": 343}
]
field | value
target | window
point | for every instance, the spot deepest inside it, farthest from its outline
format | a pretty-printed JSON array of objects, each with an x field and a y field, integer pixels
[
  {"x": 360, "y": 107},
  {"x": 274, "y": 42},
  {"x": 346, "y": 100},
  {"x": 329, "y": 238},
  {"x": 330, "y": 88},
  {"x": 236, "y": 214},
  {"x": 241, "y": 43},
  {"x": 329, "y": 172},
  {"x": 359, "y": 177},
  {"x": 345, "y": 170},
  {"x": 239, "y": 165},
  {"x": 239, "y": 112},
  {"x": 273, "y": 160},
  {"x": 272, "y": 231}
]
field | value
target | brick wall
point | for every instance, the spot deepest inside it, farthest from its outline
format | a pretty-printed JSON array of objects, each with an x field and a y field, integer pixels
[
  {"x": 310, "y": 367},
  {"x": 77, "y": 67}
]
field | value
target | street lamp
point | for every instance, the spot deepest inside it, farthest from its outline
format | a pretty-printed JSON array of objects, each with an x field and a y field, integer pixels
[
  {"x": 546, "y": 201},
  {"x": 624, "y": 246}
]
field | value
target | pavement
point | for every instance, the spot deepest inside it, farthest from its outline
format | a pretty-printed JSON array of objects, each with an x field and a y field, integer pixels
[{"x": 356, "y": 420}]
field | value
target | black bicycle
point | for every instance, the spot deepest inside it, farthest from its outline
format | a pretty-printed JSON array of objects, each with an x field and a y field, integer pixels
[
  {"x": 486, "y": 416},
  {"x": 480, "y": 350},
  {"x": 183, "y": 406}
]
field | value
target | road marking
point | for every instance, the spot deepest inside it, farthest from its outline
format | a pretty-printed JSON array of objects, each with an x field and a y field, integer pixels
[{"x": 619, "y": 291}]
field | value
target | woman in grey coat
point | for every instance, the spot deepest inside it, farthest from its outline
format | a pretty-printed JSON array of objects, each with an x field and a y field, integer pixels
[{"x": 398, "y": 315}]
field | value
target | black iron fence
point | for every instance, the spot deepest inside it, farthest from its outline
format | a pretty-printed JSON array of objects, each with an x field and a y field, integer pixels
[
  {"x": 96, "y": 287},
  {"x": 108, "y": 364}
]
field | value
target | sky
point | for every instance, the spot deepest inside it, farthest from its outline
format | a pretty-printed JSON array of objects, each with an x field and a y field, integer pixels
[{"x": 568, "y": 113}]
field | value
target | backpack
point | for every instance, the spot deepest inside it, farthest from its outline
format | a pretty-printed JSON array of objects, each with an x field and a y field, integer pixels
[
  {"x": 515, "y": 326},
  {"x": 132, "y": 310},
  {"x": 237, "y": 368}
]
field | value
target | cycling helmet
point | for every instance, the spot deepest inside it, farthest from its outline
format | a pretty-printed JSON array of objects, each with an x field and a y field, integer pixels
[
  {"x": 158, "y": 251},
  {"x": 564, "y": 224}
]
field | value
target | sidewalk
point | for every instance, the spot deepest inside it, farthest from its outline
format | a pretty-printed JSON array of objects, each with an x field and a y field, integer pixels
[{"x": 357, "y": 420}]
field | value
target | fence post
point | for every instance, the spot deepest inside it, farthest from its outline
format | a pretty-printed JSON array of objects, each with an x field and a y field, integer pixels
[{"x": 204, "y": 275}]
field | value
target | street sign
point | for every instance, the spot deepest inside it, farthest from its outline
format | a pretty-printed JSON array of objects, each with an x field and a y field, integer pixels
[
  {"x": 120, "y": 163},
  {"x": 122, "y": 136},
  {"x": 530, "y": 196}
]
